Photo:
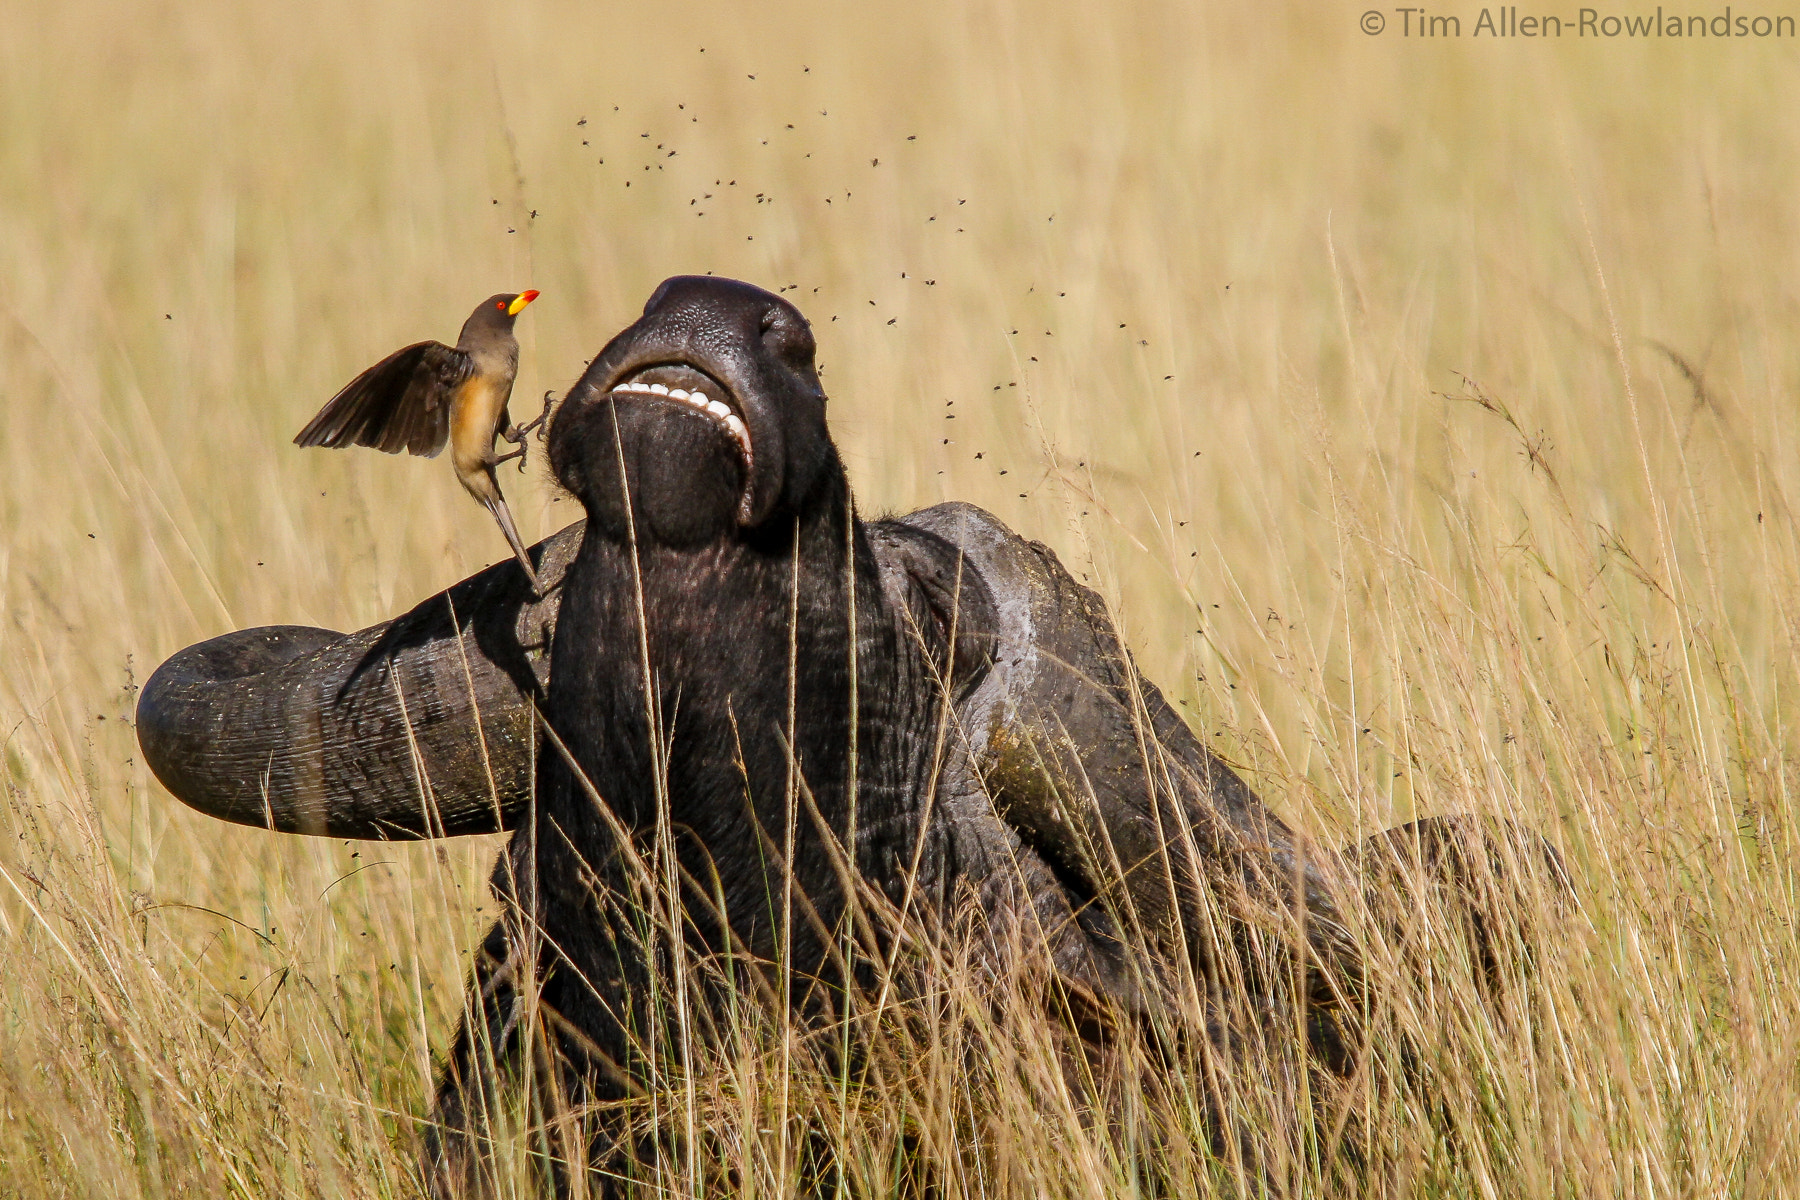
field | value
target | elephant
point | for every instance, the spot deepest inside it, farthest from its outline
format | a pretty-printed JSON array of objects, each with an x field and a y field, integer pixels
[{"x": 798, "y": 725}]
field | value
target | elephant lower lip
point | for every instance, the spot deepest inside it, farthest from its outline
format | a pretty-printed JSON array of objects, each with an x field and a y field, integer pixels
[{"x": 688, "y": 386}]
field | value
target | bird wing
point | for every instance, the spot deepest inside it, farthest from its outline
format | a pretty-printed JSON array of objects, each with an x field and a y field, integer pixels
[{"x": 400, "y": 403}]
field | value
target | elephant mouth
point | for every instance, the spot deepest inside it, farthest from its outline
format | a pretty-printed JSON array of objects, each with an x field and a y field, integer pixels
[{"x": 688, "y": 387}]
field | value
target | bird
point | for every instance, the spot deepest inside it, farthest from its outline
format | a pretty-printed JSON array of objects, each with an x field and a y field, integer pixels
[{"x": 427, "y": 394}]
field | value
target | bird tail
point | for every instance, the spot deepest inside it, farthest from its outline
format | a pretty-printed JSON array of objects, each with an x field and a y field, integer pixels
[{"x": 503, "y": 517}]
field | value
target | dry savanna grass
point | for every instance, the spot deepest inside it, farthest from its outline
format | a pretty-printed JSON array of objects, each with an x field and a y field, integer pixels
[{"x": 1424, "y": 407}]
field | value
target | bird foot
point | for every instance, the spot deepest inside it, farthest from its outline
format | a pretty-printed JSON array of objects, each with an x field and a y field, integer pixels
[{"x": 518, "y": 432}]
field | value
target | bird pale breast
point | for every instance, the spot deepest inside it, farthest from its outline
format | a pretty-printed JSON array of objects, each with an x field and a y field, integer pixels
[{"x": 474, "y": 418}]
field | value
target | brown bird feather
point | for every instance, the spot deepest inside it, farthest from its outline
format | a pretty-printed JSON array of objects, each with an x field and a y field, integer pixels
[{"x": 400, "y": 403}]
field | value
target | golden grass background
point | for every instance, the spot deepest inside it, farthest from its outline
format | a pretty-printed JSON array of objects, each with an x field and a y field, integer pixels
[{"x": 1426, "y": 407}]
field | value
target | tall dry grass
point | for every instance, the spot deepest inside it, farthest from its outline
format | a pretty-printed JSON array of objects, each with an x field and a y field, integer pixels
[{"x": 1426, "y": 408}]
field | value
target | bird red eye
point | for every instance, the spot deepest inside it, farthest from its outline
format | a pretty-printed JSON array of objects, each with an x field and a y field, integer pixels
[{"x": 501, "y": 306}]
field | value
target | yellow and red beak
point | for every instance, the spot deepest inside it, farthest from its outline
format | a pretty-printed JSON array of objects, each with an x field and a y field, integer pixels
[{"x": 520, "y": 301}]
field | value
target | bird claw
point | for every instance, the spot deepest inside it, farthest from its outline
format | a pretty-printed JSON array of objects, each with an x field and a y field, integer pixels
[
  {"x": 516, "y": 434},
  {"x": 536, "y": 422}
]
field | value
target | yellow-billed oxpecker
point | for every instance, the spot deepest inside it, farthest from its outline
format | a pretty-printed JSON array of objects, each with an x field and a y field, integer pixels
[{"x": 427, "y": 394}]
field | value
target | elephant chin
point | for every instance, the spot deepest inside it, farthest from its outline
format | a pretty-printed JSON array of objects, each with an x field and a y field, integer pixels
[{"x": 418, "y": 727}]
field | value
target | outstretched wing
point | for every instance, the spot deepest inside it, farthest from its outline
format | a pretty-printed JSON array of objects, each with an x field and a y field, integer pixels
[{"x": 400, "y": 403}]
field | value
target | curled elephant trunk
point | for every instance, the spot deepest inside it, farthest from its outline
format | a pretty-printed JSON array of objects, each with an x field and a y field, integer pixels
[{"x": 417, "y": 727}]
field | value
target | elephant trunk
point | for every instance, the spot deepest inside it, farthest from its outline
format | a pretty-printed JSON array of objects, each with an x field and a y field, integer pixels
[{"x": 417, "y": 727}]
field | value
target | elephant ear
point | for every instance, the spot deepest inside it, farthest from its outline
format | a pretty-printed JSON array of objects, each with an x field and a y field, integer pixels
[
  {"x": 940, "y": 598},
  {"x": 1088, "y": 764},
  {"x": 418, "y": 727}
]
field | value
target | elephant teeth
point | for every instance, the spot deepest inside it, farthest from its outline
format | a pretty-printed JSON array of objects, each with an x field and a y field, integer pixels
[
  {"x": 700, "y": 402},
  {"x": 734, "y": 425}
]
